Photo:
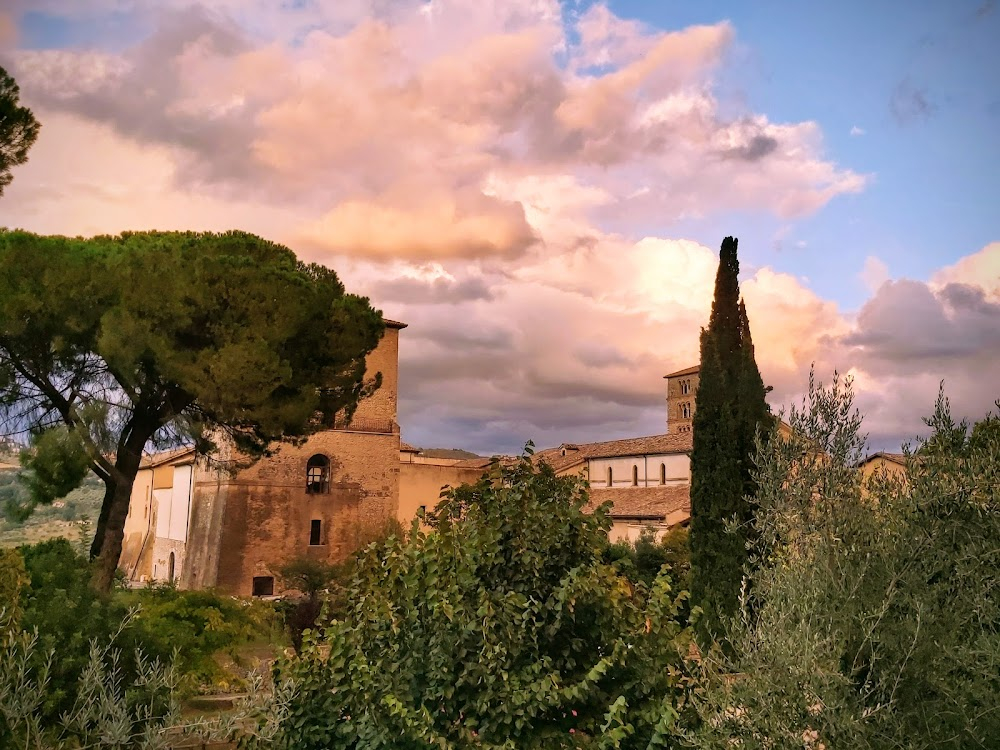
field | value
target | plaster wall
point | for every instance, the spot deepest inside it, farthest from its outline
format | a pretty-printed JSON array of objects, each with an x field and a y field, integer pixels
[
  {"x": 420, "y": 485},
  {"x": 677, "y": 465}
]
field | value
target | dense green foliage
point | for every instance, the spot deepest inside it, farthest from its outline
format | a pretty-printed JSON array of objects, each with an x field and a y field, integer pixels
[
  {"x": 18, "y": 129},
  {"x": 323, "y": 587},
  {"x": 64, "y": 615},
  {"x": 110, "y": 344},
  {"x": 499, "y": 628},
  {"x": 875, "y": 608},
  {"x": 644, "y": 559},
  {"x": 68, "y": 614},
  {"x": 729, "y": 410},
  {"x": 190, "y": 629}
]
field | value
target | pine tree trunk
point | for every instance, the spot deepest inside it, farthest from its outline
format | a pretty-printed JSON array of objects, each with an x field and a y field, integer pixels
[
  {"x": 118, "y": 493},
  {"x": 112, "y": 536},
  {"x": 102, "y": 519}
]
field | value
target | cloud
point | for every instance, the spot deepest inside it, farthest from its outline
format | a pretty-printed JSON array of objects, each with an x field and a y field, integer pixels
[
  {"x": 874, "y": 274},
  {"x": 471, "y": 167},
  {"x": 856, "y": 131},
  {"x": 409, "y": 129},
  {"x": 441, "y": 226},
  {"x": 910, "y": 103},
  {"x": 912, "y": 335},
  {"x": 433, "y": 287},
  {"x": 981, "y": 269}
]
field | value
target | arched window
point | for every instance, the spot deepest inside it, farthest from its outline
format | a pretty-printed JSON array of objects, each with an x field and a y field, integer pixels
[
  {"x": 171, "y": 561},
  {"x": 318, "y": 475},
  {"x": 610, "y": 480},
  {"x": 635, "y": 475},
  {"x": 663, "y": 473}
]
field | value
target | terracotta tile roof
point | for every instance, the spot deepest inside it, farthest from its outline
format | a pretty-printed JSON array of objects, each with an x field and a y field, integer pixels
[
  {"x": 640, "y": 446},
  {"x": 407, "y": 448},
  {"x": 896, "y": 458},
  {"x": 447, "y": 453},
  {"x": 472, "y": 463},
  {"x": 394, "y": 324},
  {"x": 577, "y": 453},
  {"x": 166, "y": 457},
  {"x": 654, "y": 503},
  {"x": 686, "y": 371},
  {"x": 554, "y": 457}
]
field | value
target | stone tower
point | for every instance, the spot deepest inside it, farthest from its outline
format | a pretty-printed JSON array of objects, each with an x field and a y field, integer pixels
[{"x": 681, "y": 389}]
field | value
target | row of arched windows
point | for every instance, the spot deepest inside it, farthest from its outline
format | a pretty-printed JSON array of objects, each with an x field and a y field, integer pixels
[{"x": 635, "y": 475}]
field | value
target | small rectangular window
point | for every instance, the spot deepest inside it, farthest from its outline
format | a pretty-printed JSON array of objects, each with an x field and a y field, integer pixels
[
  {"x": 263, "y": 586},
  {"x": 314, "y": 532}
]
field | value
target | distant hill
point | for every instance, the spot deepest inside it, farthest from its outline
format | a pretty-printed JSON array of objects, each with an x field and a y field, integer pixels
[
  {"x": 447, "y": 453},
  {"x": 61, "y": 519}
]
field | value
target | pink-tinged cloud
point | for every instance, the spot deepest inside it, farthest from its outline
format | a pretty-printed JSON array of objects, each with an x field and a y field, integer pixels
[
  {"x": 339, "y": 113},
  {"x": 441, "y": 226}
]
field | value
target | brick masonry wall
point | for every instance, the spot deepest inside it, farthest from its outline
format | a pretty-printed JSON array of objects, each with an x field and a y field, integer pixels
[
  {"x": 250, "y": 523},
  {"x": 675, "y": 420}
]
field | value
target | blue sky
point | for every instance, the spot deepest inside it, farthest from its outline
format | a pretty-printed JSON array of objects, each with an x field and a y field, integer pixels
[
  {"x": 935, "y": 193},
  {"x": 540, "y": 189}
]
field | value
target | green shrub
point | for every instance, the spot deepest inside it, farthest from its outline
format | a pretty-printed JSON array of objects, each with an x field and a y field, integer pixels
[
  {"x": 190, "y": 628},
  {"x": 875, "y": 615},
  {"x": 67, "y": 614},
  {"x": 499, "y": 628},
  {"x": 643, "y": 560},
  {"x": 13, "y": 579}
]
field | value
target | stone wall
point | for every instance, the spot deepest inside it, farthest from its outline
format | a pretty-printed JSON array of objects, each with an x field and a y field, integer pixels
[
  {"x": 246, "y": 525},
  {"x": 677, "y": 398}
]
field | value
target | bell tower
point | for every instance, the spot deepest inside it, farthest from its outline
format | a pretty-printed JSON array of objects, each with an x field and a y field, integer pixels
[{"x": 681, "y": 389}]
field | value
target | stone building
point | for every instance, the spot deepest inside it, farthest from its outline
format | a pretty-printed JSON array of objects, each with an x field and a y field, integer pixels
[
  {"x": 647, "y": 480},
  {"x": 202, "y": 525},
  {"x": 423, "y": 474},
  {"x": 681, "y": 388}
]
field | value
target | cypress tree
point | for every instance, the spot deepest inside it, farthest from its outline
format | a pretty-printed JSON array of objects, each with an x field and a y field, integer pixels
[{"x": 729, "y": 409}]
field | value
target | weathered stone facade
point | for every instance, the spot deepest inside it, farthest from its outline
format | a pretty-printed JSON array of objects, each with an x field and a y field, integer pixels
[
  {"x": 681, "y": 389},
  {"x": 239, "y": 528}
]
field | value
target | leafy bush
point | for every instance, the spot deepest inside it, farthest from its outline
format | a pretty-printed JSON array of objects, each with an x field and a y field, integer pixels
[
  {"x": 875, "y": 615},
  {"x": 67, "y": 614},
  {"x": 645, "y": 558},
  {"x": 189, "y": 628},
  {"x": 118, "y": 708},
  {"x": 499, "y": 628}
]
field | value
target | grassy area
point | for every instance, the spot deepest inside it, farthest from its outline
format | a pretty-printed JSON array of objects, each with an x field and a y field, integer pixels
[{"x": 68, "y": 517}]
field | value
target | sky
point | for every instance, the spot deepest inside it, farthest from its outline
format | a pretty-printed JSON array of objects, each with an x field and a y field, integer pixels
[{"x": 540, "y": 189}]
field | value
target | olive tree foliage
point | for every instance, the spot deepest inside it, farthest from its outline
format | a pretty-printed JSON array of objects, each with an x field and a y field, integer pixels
[
  {"x": 499, "y": 628},
  {"x": 18, "y": 128},
  {"x": 112, "y": 345},
  {"x": 874, "y": 614},
  {"x": 115, "y": 709}
]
